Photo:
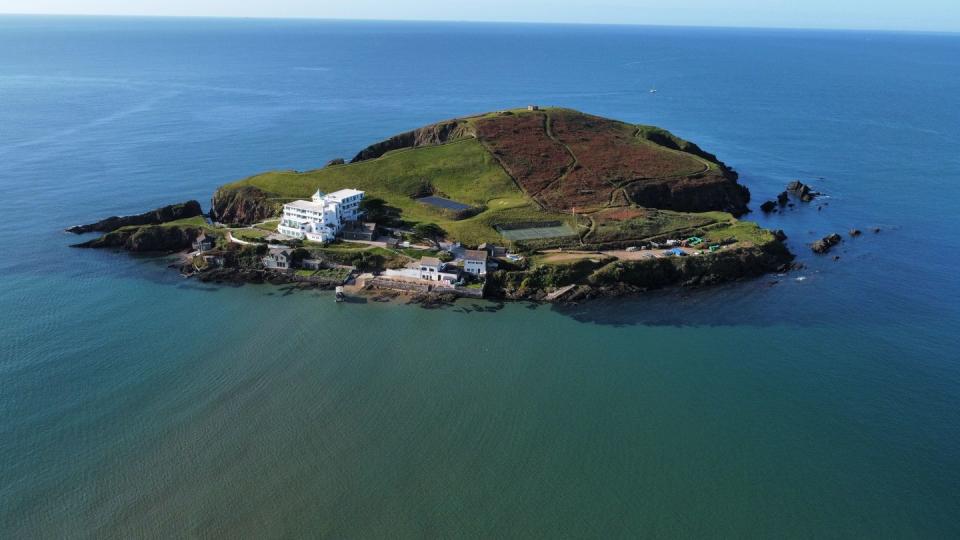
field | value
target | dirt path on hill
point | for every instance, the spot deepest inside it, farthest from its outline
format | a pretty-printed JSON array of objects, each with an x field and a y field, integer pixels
[
  {"x": 548, "y": 130},
  {"x": 506, "y": 171}
]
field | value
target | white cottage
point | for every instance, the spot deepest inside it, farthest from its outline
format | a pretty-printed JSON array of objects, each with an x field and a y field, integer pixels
[{"x": 475, "y": 262}]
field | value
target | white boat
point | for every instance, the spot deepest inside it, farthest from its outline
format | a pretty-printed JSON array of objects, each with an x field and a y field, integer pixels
[{"x": 653, "y": 90}]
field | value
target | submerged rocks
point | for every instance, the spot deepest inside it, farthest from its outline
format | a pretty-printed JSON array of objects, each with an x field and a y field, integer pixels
[
  {"x": 783, "y": 199},
  {"x": 432, "y": 300},
  {"x": 826, "y": 243},
  {"x": 855, "y": 232},
  {"x": 780, "y": 235},
  {"x": 156, "y": 216}
]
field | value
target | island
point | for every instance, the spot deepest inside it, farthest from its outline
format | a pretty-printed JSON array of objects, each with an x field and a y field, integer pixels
[{"x": 533, "y": 203}]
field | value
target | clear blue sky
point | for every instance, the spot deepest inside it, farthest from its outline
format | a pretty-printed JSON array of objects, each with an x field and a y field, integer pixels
[{"x": 935, "y": 15}]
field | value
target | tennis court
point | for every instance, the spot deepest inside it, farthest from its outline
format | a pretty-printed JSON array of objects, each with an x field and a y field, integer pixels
[{"x": 547, "y": 230}]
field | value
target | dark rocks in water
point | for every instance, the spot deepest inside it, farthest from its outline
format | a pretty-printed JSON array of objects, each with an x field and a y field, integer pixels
[
  {"x": 855, "y": 232},
  {"x": 826, "y": 243},
  {"x": 147, "y": 238},
  {"x": 163, "y": 214},
  {"x": 782, "y": 198},
  {"x": 780, "y": 235},
  {"x": 876, "y": 230},
  {"x": 768, "y": 206},
  {"x": 801, "y": 191},
  {"x": 433, "y": 300},
  {"x": 335, "y": 161}
]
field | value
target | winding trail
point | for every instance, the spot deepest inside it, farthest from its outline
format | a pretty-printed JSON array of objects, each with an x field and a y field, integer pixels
[{"x": 548, "y": 130}]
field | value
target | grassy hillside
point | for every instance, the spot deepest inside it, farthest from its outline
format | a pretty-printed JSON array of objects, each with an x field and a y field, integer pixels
[
  {"x": 523, "y": 167},
  {"x": 462, "y": 170}
]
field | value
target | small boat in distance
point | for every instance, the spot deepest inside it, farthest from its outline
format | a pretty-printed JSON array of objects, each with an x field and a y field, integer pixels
[{"x": 653, "y": 90}]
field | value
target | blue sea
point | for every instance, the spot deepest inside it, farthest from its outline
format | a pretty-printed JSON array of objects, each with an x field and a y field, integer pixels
[{"x": 134, "y": 403}]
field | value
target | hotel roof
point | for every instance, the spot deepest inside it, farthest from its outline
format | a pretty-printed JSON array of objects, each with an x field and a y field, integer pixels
[
  {"x": 306, "y": 205},
  {"x": 344, "y": 193}
]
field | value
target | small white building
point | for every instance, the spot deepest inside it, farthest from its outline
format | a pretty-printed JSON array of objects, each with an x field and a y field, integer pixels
[
  {"x": 431, "y": 269},
  {"x": 322, "y": 217},
  {"x": 475, "y": 262},
  {"x": 277, "y": 259}
]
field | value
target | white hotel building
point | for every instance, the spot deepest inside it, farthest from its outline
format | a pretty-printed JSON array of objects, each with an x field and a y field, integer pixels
[{"x": 321, "y": 218}]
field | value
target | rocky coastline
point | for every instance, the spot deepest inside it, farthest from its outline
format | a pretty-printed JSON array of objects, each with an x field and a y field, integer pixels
[{"x": 164, "y": 214}]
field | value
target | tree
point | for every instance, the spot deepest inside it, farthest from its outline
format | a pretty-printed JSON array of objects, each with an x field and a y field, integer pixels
[
  {"x": 375, "y": 209},
  {"x": 430, "y": 232}
]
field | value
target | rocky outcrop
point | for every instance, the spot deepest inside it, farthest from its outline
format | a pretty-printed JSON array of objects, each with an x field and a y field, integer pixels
[
  {"x": 426, "y": 136},
  {"x": 335, "y": 161},
  {"x": 163, "y": 214},
  {"x": 665, "y": 138},
  {"x": 826, "y": 243},
  {"x": 148, "y": 238},
  {"x": 801, "y": 191},
  {"x": 783, "y": 198},
  {"x": 621, "y": 277},
  {"x": 243, "y": 205},
  {"x": 768, "y": 206},
  {"x": 697, "y": 194},
  {"x": 855, "y": 232}
]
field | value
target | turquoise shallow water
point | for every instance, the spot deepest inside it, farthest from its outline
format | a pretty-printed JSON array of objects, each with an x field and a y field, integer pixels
[{"x": 135, "y": 403}]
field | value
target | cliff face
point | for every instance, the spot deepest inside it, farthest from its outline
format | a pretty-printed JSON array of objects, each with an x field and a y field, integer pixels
[
  {"x": 147, "y": 238},
  {"x": 695, "y": 270},
  {"x": 164, "y": 214},
  {"x": 618, "y": 277},
  {"x": 696, "y": 194},
  {"x": 426, "y": 136},
  {"x": 242, "y": 205}
]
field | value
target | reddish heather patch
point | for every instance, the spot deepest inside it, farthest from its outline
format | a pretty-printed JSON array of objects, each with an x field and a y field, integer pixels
[
  {"x": 523, "y": 147},
  {"x": 610, "y": 153}
]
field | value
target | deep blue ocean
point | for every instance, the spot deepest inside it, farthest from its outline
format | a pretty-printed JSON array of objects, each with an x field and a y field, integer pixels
[{"x": 134, "y": 403}]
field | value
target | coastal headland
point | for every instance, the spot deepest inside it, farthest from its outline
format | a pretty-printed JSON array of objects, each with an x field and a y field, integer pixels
[{"x": 562, "y": 205}]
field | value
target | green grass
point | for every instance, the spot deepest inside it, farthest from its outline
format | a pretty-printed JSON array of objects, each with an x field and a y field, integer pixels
[
  {"x": 415, "y": 253},
  {"x": 269, "y": 226},
  {"x": 250, "y": 234},
  {"x": 332, "y": 274},
  {"x": 196, "y": 222},
  {"x": 652, "y": 224},
  {"x": 742, "y": 231},
  {"x": 462, "y": 170}
]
